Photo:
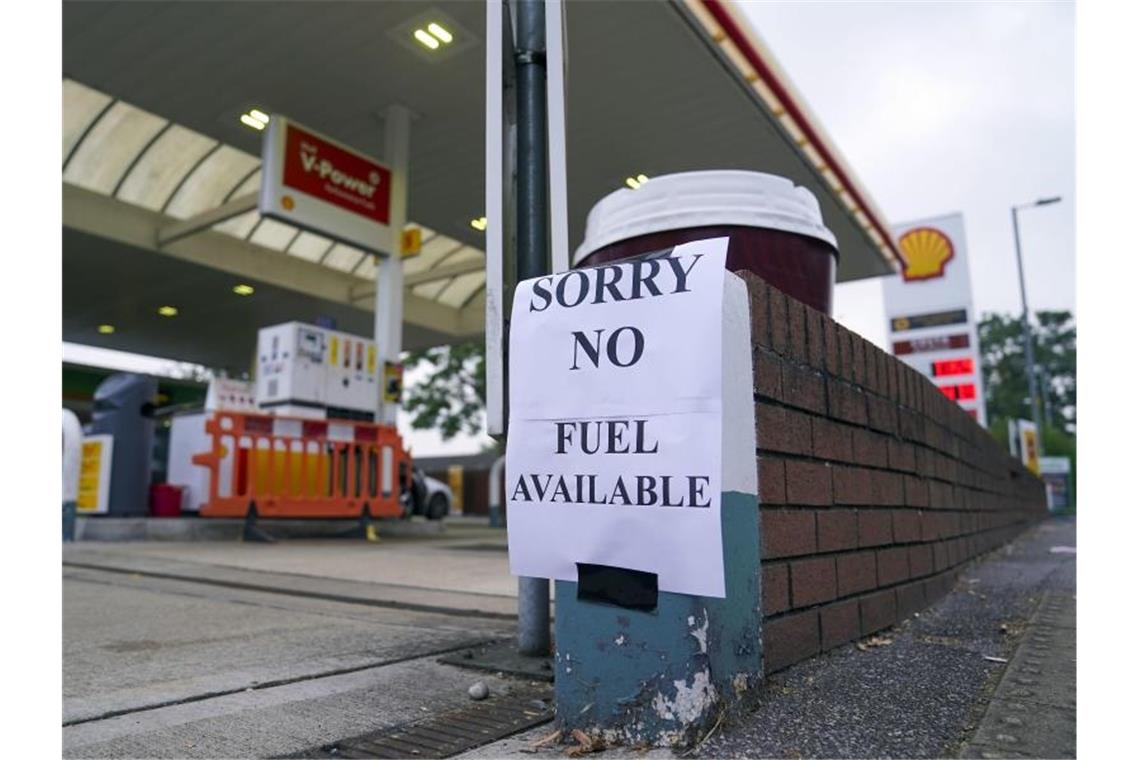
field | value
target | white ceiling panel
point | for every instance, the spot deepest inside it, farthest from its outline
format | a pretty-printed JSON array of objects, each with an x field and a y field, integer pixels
[
  {"x": 211, "y": 181},
  {"x": 112, "y": 145},
  {"x": 82, "y": 105},
  {"x": 161, "y": 167}
]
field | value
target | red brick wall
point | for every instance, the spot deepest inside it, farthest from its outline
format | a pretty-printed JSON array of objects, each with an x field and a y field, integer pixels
[{"x": 874, "y": 487}]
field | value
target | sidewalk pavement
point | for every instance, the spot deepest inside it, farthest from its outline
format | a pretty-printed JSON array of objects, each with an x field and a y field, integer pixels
[
  {"x": 989, "y": 671},
  {"x": 236, "y": 650}
]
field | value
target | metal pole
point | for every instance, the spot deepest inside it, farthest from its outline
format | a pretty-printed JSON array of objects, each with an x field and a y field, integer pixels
[
  {"x": 530, "y": 69},
  {"x": 1030, "y": 364},
  {"x": 389, "y": 298},
  {"x": 530, "y": 73},
  {"x": 495, "y": 492}
]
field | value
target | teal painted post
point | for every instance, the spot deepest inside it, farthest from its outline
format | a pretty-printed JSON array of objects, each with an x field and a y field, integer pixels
[{"x": 664, "y": 677}]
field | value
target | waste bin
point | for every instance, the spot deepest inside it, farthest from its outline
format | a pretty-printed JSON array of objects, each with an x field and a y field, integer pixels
[
  {"x": 124, "y": 408},
  {"x": 775, "y": 229},
  {"x": 165, "y": 500}
]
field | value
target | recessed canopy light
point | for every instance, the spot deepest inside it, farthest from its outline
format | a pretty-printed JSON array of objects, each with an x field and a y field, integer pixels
[
  {"x": 444, "y": 36},
  {"x": 480, "y": 223},
  {"x": 168, "y": 311},
  {"x": 243, "y": 289},
  {"x": 434, "y": 35},
  {"x": 635, "y": 182},
  {"x": 425, "y": 39},
  {"x": 255, "y": 119},
  {"x": 106, "y": 329}
]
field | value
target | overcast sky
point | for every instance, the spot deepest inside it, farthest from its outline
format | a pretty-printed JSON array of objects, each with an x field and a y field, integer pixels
[
  {"x": 938, "y": 107},
  {"x": 943, "y": 107}
]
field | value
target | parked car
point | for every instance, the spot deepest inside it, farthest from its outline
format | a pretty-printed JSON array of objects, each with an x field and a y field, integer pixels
[{"x": 430, "y": 497}]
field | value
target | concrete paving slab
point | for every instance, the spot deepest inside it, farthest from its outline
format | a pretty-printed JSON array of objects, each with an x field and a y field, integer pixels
[
  {"x": 1026, "y": 729},
  {"x": 359, "y": 609},
  {"x": 305, "y": 569},
  {"x": 1034, "y": 707},
  {"x": 284, "y": 719},
  {"x": 436, "y": 562},
  {"x": 128, "y": 648},
  {"x": 226, "y": 649}
]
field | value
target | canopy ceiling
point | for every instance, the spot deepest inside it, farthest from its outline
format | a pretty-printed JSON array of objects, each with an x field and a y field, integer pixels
[{"x": 152, "y": 96}]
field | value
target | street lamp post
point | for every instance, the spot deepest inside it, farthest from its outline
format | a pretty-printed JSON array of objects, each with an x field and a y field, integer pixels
[{"x": 1030, "y": 364}]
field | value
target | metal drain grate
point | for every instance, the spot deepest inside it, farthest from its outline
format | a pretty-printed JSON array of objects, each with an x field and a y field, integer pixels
[{"x": 450, "y": 733}]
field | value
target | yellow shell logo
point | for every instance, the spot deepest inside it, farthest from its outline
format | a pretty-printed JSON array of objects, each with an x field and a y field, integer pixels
[{"x": 925, "y": 252}]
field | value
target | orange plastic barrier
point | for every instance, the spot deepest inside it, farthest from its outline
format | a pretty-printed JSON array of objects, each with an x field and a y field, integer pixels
[{"x": 290, "y": 467}]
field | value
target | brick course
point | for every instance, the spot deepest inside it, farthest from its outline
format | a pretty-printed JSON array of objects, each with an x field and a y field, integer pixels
[
  {"x": 787, "y": 532},
  {"x": 874, "y": 488},
  {"x": 839, "y": 623},
  {"x": 775, "y": 588},
  {"x": 813, "y": 581},
  {"x": 789, "y": 639},
  {"x": 808, "y": 483},
  {"x": 770, "y": 475},
  {"x": 837, "y": 529}
]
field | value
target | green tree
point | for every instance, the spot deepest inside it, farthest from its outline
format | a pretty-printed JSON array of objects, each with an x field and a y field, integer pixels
[
  {"x": 1003, "y": 369},
  {"x": 1006, "y": 386},
  {"x": 452, "y": 397}
]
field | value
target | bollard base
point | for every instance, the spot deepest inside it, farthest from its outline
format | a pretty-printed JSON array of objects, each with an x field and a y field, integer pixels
[
  {"x": 663, "y": 677},
  {"x": 69, "y": 517}
]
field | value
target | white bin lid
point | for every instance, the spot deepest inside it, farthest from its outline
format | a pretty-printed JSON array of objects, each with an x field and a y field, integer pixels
[{"x": 703, "y": 199}]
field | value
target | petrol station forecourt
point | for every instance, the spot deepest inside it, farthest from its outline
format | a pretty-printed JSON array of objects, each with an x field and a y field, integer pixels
[{"x": 296, "y": 228}]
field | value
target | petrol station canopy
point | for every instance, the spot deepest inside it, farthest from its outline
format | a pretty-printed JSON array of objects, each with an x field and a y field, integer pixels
[{"x": 153, "y": 95}]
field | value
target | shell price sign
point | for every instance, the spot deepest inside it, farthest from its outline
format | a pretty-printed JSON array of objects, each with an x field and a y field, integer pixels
[
  {"x": 930, "y": 310},
  {"x": 320, "y": 185}
]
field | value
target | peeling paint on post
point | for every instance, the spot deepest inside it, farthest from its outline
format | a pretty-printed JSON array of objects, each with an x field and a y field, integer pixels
[{"x": 663, "y": 677}]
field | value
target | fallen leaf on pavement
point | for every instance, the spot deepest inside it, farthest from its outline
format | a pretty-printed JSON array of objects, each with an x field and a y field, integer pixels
[
  {"x": 546, "y": 741},
  {"x": 875, "y": 641},
  {"x": 585, "y": 744}
]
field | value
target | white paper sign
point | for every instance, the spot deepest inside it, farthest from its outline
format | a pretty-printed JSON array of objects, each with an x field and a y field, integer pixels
[{"x": 614, "y": 443}]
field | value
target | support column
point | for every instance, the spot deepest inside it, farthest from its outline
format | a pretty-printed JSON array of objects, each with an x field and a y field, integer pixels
[{"x": 389, "y": 303}]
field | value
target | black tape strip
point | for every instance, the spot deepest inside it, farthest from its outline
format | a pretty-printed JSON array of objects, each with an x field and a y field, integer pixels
[{"x": 632, "y": 589}]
